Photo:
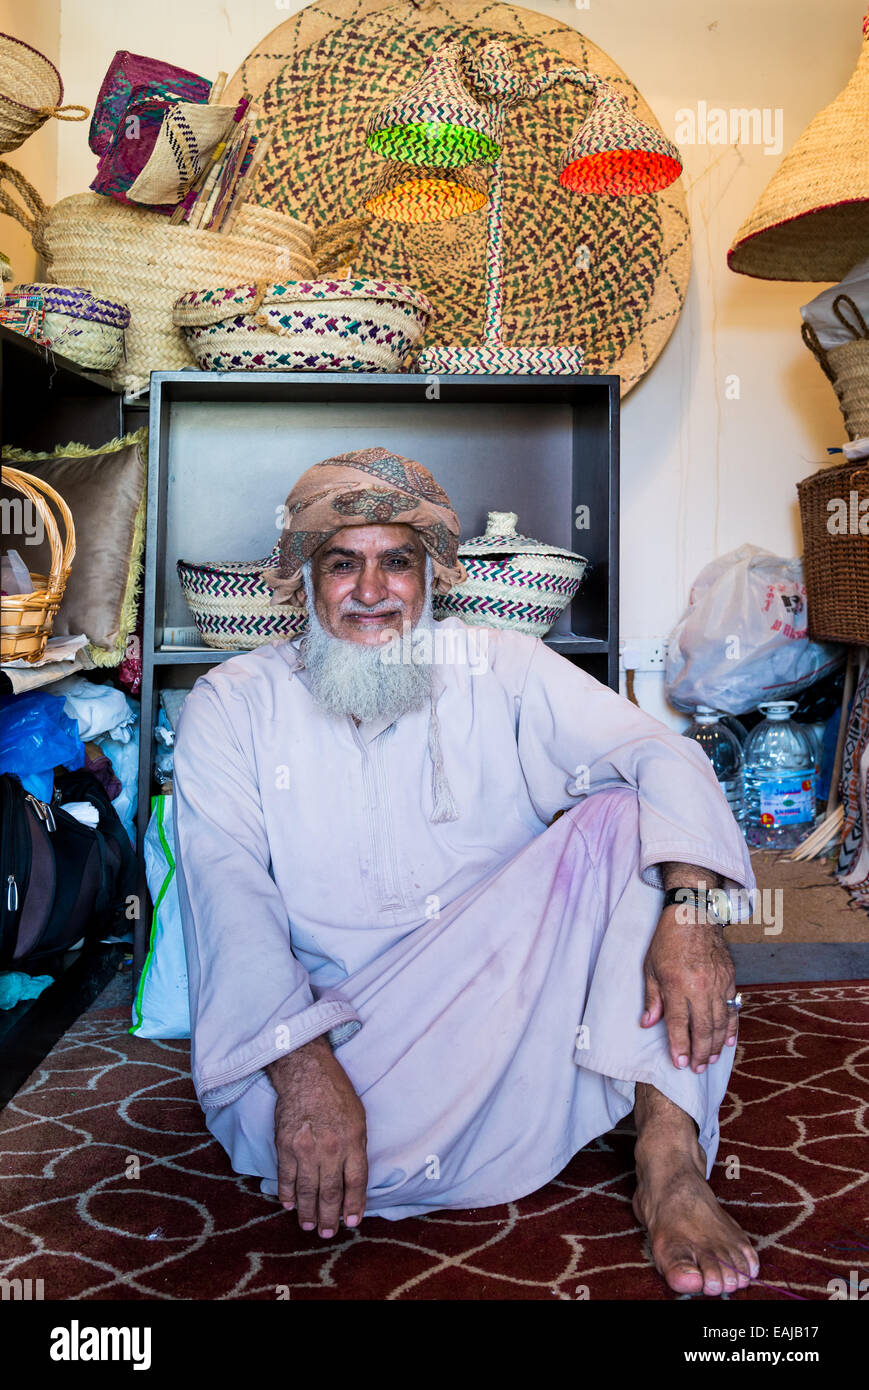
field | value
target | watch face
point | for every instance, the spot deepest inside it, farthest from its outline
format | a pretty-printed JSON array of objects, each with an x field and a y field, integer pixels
[{"x": 719, "y": 905}]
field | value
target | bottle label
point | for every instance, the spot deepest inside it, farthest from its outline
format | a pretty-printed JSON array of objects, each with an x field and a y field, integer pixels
[{"x": 787, "y": 800}]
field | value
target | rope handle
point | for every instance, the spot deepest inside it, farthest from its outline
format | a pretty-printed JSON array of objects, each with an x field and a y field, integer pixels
[
  {"x": 862, "y": 329},
  {"x": 813, "y": 343},
  {"x": 32, "y": 217},
  {"x": 58, "y": 112}
]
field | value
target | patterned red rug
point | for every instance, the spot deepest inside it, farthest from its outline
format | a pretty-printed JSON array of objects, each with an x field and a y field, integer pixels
[{"x": 113, "y": 1188}]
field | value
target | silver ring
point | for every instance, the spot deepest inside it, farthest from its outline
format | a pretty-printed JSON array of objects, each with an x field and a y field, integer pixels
[{"x": 735, "y": 1002}]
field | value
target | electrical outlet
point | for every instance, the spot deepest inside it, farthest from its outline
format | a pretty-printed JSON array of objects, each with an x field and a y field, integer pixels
[{"x": 643, "y": 654}]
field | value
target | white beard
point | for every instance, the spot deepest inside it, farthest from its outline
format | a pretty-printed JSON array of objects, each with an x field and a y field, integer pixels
[{"x": 353, "y": 678}]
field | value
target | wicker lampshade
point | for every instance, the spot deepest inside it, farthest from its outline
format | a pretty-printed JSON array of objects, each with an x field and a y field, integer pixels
[
  {"x": 812, "y": 220},
  {"x": 412, "y": 193},
  {"x": 615, "y": 153},
  {"x": 437, "y": 122}
]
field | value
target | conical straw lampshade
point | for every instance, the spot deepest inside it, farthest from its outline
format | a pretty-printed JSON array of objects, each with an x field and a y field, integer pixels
[
  {"x": 413, "y": 193},
  {"x": 437, "y": 122},
  {"x": 616, "y": 153},
  {"x": 812, "y": 222}
]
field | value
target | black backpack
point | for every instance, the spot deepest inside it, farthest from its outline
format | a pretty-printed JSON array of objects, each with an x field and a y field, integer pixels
[{"x": 61, "y": 880}]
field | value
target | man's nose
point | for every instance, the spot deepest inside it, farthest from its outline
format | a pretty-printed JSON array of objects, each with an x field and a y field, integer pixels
[{"x": 371, "y": 587}]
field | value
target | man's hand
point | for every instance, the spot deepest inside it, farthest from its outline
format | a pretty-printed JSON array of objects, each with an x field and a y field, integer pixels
[
  {"x": 689, "y": 973},
  {"x": 320, "y": 1138}
]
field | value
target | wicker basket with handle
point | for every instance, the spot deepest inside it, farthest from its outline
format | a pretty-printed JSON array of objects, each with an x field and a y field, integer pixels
[
  {"x": 28, "y": 618},
  {"x": 30, "y": 92},
  {"x": 846, "y": 366},
  {"x": 836, "y": 552}
]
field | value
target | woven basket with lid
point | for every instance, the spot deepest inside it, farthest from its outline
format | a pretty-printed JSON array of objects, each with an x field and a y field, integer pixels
[
  {"x": 513, "y": 581},
  {"x": 231, "y": 604},
  {"x": 317, "y": 325}
]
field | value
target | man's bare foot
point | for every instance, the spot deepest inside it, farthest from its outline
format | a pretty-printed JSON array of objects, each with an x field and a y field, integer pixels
[{"x": 695, "y": 1245}]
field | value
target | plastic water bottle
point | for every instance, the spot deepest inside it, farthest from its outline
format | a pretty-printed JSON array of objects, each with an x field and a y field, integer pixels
[
  {"x": 723, "y": 751},
  {"x": 779, "y": 780}
]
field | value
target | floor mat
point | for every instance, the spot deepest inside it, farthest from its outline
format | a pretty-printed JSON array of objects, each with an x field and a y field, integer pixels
[{"x": 112, "y": 1188}]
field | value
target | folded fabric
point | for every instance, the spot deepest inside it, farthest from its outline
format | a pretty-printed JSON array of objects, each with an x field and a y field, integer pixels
[
  {"x": 98, "y": 709},
  {"x": 84, "y": 812},
  {"x": 15, "y": 986}
]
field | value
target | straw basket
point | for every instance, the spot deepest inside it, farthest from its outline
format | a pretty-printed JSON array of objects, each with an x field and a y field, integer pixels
[
  {"x": 836, "y": 552},
  {"x": 136, "y": 256},
  {"x": 30, "y": 92},
  {"x": 320, "y": 325},
  {"x": 82, "y": 327},
  {"x": 513, "y": 581},
  {"x": 28, "y": 618},
  {"x": 846, "y": 366},
  {"x": 231, "y": 604}
]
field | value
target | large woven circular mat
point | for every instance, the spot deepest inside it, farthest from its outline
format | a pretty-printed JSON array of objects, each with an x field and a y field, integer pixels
[{"x": 609, "y": 274}]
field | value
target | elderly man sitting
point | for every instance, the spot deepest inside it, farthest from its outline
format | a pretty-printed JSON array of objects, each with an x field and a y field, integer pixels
[{"x": 414, "y": 984}]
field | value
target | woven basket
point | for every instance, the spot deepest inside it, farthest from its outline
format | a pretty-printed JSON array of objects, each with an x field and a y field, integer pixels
[
  {"x": 836, "y": 561},
  {"x": 137, "y": 256},
  {"x": 80, "y": 326},
  {"x": 608, "y": 273},
  {"x": 320, "y": 325},
  {"x": 513, "y": 581},
  {"x": 231, "y": 604},
  {"x": 28, "y": 618},
  {"x": 846, "y": 366},
  {"x": 30, "y": 92}
]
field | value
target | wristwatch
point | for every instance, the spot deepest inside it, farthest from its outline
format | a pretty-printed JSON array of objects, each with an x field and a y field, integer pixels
[{"x": 713, "y": 901}]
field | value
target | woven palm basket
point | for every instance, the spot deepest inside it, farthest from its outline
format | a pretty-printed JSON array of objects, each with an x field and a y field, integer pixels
[
  {"x": 836, "y": 552},
  {"x": 513, "y": 581},
  {"x": 231, "y": 605},
  {"x": 137, "y": 256},
  {"x": 847, "y": 367},
  {"x": 320, "y": 325},
  {"x": 812, "y": 221},
  {"x": 30, "y": 92},
  {"x": 27, "y": 619},
  {"x": 80, "y": 326},
  {"x": 608, "y": 274}
]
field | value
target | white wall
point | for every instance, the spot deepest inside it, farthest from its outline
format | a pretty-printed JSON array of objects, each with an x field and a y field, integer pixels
[{"x": 700, "y": 473}]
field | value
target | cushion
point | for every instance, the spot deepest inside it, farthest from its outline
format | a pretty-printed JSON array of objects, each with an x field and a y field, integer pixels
[{"x": 104, "y": 489}]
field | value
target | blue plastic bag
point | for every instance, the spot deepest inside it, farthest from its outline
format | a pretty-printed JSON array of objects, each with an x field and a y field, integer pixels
[{"x": 36, "y": 736}]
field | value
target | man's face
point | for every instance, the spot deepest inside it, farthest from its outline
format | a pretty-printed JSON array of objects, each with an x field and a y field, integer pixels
[{"x": 369, "y": 580}]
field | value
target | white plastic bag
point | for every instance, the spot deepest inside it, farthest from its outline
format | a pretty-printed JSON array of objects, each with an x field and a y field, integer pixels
[
  {"x": 161, "y": 1008},
  {"x": 743, "y": 637}
]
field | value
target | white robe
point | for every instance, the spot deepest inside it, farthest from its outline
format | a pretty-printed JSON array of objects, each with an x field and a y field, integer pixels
[{"x": 481, "y": 978}]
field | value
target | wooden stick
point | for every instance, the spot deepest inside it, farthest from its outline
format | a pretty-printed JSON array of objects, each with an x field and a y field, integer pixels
[
  {"x": 204, "y": 195},
  {"x": 217, "y": 89},
  {"x": 246, "y": 183},
  {"x": 225, "y": 176},
  {"x": 224, "y": 202},
  {"x": 821, "y": 836}
]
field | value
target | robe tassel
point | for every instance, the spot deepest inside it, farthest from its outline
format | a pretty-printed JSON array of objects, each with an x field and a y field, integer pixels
[{"x": 444, "y": 806}]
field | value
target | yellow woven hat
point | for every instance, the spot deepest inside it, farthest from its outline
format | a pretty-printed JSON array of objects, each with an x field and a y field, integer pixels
[{"x": 812, "y": 221}]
